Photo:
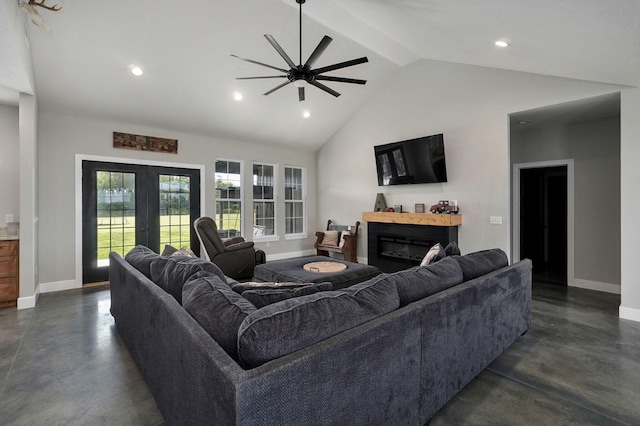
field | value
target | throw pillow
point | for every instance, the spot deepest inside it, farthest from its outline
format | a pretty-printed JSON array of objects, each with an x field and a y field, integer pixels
[
  {"x": 434, "y": 254},
  {"x": 263, "y": 297},
  {"x": 140, "y": 257},
  {"x": 184, "y": 251},
  {"x": 452, "y": 249},
  {"x": 290, "y": 325},
  {"x": 344, "y": 233},
  {"x": 217, "y": 308},
  {"x": 330, "y": 238},
  {"x": 168, "y": 250}
]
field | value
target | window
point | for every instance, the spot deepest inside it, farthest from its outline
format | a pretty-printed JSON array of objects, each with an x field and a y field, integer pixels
[
  {"x": 175, "y": 210},
  {"x": 228, "y": 198},
  {"x": 294, "y": 197},
  {"x": 264, "y": 206}
]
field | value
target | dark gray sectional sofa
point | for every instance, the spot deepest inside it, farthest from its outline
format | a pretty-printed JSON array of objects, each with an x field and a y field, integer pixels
[{"x": 391, "y": 350}]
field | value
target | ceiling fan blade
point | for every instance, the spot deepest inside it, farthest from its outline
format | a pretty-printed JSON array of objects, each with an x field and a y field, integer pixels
[
  {"x": 325, "y": 88},
  {"x": 340, "y": 79},
  {"x": 277, "y": 87},
  {"x": 266, "y": 76},
  {"x": 280, "y": 50},
  {"x": 322, "y": 46},
  {"x": 301, "y": 94},
  {"x": 340, "y": 65},
  {"x": 260, "y": 63}
]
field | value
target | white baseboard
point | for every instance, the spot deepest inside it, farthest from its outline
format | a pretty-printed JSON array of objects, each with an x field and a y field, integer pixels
[
  {"x": 597, "y": 286},
  {"x": 59, "y": 286},
  {"x": 282, "y": 256},
  {"x": 29, "y": 301},
  {"x": 629, "y": 313}
]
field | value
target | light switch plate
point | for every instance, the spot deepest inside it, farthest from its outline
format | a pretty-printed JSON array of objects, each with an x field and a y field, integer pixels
[
  {"x": 495, "y": 220},
  {"x": 8, "y": 218}
]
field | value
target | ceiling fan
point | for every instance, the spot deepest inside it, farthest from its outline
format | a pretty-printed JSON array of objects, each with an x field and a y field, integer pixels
[{"x": 303, "y": 74}]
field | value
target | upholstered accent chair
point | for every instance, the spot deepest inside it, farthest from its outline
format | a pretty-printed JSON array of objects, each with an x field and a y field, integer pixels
[{"x": 234, "y": 256}]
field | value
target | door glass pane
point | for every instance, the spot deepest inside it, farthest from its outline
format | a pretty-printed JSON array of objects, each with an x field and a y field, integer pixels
[
  {"x": 228, "y": 198},
  {"x": 116, "y": 219},
  {"x": 175, "y": 219}
]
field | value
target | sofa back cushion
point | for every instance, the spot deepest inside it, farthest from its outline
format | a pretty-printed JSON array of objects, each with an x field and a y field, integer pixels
[
  {"x": 217, "y": 308},
  {"x": 171, "y": 273},
  {"x": 287, "y": 326},
  {"x": 261, "y": 297},
  {"x": 423, "y": 281},
  {"x": 481, "y": 263},
  {"x": 140, "y": 257}
]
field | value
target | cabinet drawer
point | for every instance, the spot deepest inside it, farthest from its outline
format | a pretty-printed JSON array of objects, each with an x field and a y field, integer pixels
[
  {"x": 8, "y": 289},
  {"x": 8, "y": 248},
  {"x": 8, "y": 266}
]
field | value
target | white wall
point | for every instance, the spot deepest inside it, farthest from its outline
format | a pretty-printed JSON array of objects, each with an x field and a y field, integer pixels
[
  {"x": 9, "y": 163},
  {"x": 63, "y": 136},
  {"x": 630, "y": 202},
  {"x": 595, "y": 148},
  {"x": 470, "y": 105}
]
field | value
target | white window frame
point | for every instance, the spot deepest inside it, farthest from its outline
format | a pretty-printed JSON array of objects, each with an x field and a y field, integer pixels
[
  {"x": 303, "y": 200},
  {"x": 241, "y": 199},
  {"x": 274, "y": 237}
]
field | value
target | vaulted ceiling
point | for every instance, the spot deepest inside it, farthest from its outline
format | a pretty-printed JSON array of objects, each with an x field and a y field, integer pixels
[{"x": 184, "y": 48}]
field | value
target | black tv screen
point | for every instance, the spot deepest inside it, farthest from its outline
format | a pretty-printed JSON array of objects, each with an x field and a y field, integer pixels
[{"x": 419, "y": 160}]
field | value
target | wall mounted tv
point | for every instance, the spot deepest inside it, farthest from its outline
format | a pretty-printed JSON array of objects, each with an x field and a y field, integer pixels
[{"x": 419, "y": 160}]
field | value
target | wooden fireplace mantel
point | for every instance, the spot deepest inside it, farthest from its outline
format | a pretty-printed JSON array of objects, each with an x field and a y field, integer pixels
[{"x": 414, "y": 218}]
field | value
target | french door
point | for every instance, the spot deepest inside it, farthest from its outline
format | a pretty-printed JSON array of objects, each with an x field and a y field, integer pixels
[{"x": 126, "y": 204}]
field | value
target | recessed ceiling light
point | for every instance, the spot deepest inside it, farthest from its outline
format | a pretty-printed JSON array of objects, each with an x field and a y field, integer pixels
[
  {"x": 306, "y": 114},
  {"x": 237, "y": 96},
  {"x": 501, "y": 43},
  {"x": 137, "y": 71}
]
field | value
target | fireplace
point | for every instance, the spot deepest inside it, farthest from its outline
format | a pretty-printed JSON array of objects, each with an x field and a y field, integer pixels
[{"x": 397, "y": 246}]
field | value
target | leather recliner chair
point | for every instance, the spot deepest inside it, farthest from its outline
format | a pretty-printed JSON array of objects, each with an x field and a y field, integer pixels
[{"x": 234, "y": 256}]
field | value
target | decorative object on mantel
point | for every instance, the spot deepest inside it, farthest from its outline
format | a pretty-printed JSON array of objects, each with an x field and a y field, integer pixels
[
  {"x": 145, "y": 143},
  {"x": 381, "y": 204},
  {"x": 302, "y": 75},
  {"x": 419, "y": 208},
  {"x": 30, "y": 8},
  {"x": 444, "y": 206},
  {"x": 397, "y": 208}
]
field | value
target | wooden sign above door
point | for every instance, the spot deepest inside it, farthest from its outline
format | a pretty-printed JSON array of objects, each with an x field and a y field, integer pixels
[{"x": 144, "y": 143}]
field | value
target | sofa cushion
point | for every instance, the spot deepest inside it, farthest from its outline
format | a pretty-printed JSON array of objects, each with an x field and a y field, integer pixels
[
  {"x": 287, "y": 326},
  {"x": 481, "y": 262},
  {"x": 423, "y": 281},
  {"x": 452, "y": 249},
  {"x": 140, "y": 257},
  {"x": 170, "y": 273},
  {"x": 261, "y": 297},
  {"x": 217, "y": 308},
  {"x": 242, "y": 287}
]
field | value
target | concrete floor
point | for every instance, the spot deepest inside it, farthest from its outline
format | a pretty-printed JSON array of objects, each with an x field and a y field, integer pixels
[{"x": 64, "y": 363}]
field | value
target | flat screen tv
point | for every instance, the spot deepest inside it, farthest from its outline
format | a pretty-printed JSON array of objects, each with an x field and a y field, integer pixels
[{"x": 419, "y": 160}]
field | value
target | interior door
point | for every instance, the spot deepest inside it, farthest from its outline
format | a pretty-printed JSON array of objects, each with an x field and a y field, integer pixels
[{"x": 127, "y": 204}]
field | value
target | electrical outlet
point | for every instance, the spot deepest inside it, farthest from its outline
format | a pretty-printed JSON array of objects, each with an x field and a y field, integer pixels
[{"x": 495, "y": 220}]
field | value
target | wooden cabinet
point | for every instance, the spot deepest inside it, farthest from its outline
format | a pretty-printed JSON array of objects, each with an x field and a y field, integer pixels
[{"x": 9, "y": 272}]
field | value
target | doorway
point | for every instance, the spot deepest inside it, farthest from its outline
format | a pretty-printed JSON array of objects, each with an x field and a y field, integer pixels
[
  {"x": 543, "y": 221},
  {"x": 124, "y": 205}
]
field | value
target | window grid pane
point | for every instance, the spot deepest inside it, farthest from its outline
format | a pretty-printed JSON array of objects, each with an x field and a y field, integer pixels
[
  {"x": 294, "y": 200},
  {"x": 175, "y": 217},
  {"x": 264, "y": 208},
  {"x": 116, "y": 214},
  {"x": 228, "y": 198}
]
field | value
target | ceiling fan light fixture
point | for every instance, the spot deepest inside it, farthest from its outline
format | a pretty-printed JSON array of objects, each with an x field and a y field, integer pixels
[{"x": 301, "y": 82}]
